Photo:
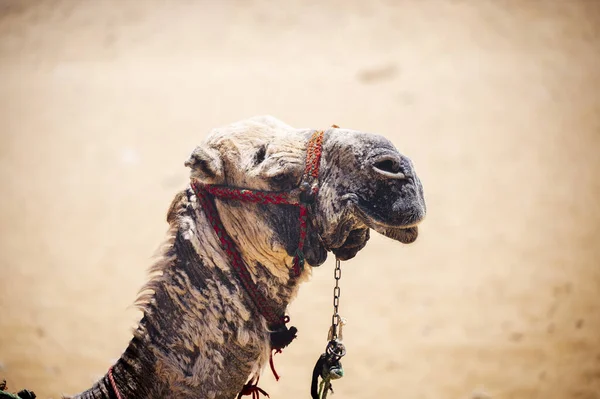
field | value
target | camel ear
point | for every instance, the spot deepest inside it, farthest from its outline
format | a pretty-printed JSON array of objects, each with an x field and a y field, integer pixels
[{"x": 206, "y": 165}]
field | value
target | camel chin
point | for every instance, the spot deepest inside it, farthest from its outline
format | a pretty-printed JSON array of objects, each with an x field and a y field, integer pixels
[{"x": 353, "y": 243}]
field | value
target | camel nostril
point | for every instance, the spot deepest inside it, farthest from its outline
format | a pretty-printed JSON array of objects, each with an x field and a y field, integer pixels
[{"x": 389, "y": 167}]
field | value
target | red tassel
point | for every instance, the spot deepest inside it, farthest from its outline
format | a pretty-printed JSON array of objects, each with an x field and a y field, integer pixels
[
  {"x": 274, "y": 352},
  {"x": 252, "y": 389}
]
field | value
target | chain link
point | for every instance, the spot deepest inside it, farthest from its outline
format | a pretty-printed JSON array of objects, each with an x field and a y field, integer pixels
[{"x": 336, "y": 319}]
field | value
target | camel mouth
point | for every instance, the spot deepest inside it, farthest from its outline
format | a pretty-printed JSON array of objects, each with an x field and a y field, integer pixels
[
  {"x": 403, "y": 228},
  {"x": 352, "y": 234}
]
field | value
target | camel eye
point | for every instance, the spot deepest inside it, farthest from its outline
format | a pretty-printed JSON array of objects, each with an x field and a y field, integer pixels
[
  {"x": 279, "y": 178},
  {"x": 282, "y": 181}
]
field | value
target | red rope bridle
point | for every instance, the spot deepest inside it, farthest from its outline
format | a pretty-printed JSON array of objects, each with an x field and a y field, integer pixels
[{"x": 302, "y": 197}]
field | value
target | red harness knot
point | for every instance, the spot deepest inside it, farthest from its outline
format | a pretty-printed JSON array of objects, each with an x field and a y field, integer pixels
[{"x": 252, "y": 389}]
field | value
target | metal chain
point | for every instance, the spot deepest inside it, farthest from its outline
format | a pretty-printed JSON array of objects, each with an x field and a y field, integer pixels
[{"x": 336, "y": 320}]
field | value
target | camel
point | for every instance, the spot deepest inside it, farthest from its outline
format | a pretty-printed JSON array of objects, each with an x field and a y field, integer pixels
[{"x": 207, "y": 331}]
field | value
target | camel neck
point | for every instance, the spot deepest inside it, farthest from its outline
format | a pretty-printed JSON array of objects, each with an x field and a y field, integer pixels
[{"x": 200, "y": 336}]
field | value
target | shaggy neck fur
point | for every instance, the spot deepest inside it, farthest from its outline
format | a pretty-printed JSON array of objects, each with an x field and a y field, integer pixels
[{"x": 200, "y": 335}]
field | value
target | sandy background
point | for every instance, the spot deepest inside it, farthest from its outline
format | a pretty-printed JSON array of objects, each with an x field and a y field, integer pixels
[{"x": 497, "y": 103}]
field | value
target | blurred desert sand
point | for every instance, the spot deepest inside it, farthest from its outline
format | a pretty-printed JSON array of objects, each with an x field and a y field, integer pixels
[{"x": 496, "y": 102}]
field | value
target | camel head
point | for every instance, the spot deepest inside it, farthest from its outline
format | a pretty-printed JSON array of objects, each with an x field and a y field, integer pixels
[{"x": 364, "y": 183}]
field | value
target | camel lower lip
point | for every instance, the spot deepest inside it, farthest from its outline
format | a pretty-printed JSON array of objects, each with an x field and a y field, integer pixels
[
  {"x": 405, "y": 236},
  {"x": 376, "y": 223}
]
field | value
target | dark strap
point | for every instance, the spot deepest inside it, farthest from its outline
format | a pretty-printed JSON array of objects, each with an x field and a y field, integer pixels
[{"x": 314, "y": 386}]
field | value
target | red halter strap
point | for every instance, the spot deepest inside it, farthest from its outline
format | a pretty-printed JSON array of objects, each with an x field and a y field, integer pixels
[{"x": 300, "y": 197}]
